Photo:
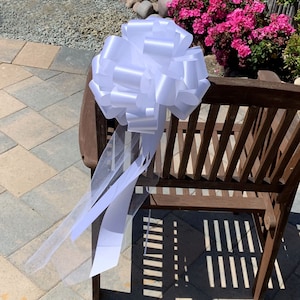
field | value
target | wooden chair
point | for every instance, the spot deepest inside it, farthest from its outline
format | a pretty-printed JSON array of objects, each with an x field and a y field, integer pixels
[{"x": 240, "y": 146}]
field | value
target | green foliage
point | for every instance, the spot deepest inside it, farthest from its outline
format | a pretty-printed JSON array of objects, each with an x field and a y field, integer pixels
[
  {"x": 297, "y": 20},
  {"x": 292, "y": 57},
  {"x": 267, "y": 56},
  {"x": 286, "y": 2}
]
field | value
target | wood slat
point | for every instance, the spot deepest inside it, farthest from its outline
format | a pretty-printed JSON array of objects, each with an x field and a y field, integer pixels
[
  {"x": 226, "y": 132},
  {"x": 274, "y": 144},
  {"x": 215, "y": 141},
  {"x": 292, "y": 181},
  {"x": 158, "y": 161},
  {"x": 240, "y": 142},
  {"x": 178, "y": 156},
  {"x": 171, "y": 137},
  {"x": 292, "y": 145},
  {"x": 189, "y": 138},
  {"x": 257, "y": 143},
  {"x": 205, "y": 184},
  {"x": 211, "y": 202},
  {"x": 194, "y": 150},
  {"x": 205, "y": 140},
  {"x": 292, "y": 171},
  {"x": 150, "y": 169}
]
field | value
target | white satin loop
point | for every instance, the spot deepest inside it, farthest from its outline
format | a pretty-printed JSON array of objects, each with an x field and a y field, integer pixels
[{"x": 136, "y": 77}]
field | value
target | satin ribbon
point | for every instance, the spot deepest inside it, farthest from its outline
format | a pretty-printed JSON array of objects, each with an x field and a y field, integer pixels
[
  {"x": 149, "y": 66},
  {"x": 136, "y": 77}
]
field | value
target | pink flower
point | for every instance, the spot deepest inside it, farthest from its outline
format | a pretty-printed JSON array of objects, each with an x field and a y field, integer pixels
[
  {"x": 281, "y": 22},
  {"x": 232, "y": 29},
  {"x": 188, "y": 13},
  {"x": 258, "y": 6},
  {"x": 206, "y": 19},
  {"x": 198, "y": 26},
  {"x": 242, "y": 49}
]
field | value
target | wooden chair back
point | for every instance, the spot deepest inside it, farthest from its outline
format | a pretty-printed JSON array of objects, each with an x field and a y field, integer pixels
[{"x": 238, "y": 151}]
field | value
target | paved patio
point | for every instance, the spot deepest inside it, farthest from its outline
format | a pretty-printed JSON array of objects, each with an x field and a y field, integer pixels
[{"x": 189, "y": 256}]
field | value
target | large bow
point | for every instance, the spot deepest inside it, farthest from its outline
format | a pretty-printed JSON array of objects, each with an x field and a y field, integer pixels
[
  {"x": 136, "y": 77},
  {"x": 150, "y": 65}
]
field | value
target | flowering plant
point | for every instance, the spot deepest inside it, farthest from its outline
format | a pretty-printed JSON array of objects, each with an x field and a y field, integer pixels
[
  {"x": 238, "y": 32},
  {"x": 291, "y": 54}
]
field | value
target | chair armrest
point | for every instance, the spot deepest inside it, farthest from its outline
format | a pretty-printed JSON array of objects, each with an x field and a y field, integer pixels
[{"x": 87, "y": 127}]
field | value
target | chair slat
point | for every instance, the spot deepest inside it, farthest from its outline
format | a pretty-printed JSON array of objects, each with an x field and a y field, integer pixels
[
  {"x": 292, "y": 145},
  {"x": 177, "y": 157},
  {"x": 291, "y": 180},
  {"x": 215, "y": 142},
  {"x": 158, "y": 161},
  {"x": 275, "y": 142},
  {"x": 240, "y": 142},
  {"x": 171, "y": 137},
  {"x": 293, "y": 167},
  {"x": 257, "y": 121},
  {"x": 205, "y": 140},
  {"x": 209, "y": 203},
  {"x": 189, "y": 138},
  {"x": 151, "y": 168},
  {"x": 194, "y": 150},
  {"x": 258, "y": 143},
  {"x": 226, "y": 132}
]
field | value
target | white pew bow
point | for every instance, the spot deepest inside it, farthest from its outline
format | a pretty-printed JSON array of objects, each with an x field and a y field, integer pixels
[{"x": 136, "y": 77}]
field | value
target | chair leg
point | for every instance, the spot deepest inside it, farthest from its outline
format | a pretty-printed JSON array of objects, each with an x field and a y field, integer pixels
[
  {"x": 95, "y": 279},
  {"x": 266, "y": 266},
  {"x": 270, "y": 251},
  {"x": 96, "y": 287}
]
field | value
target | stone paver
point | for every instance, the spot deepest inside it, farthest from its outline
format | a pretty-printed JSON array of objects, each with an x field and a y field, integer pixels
[
  {"x": 36, "y": 55},
  {"x": 21, "y": 171},
  {"x": 2, "y": 189},
  {"x": 184, "y": 290},
  {"x": 62, "y": 292},
  {"x": 119, "y": 278},
  {"x": 9, "y": 104},
  {"x": 15, "y": 285},
  {"x": 60, "y": 152},
  {"x": 72, "y": 60},
  {"x": 293, "y": 288},
  {"x": 68, "y": 83},
  {"x": 84, "y": 289},
  {"x": 57, "y": 196},
  {"x": 19, "y": 224},
  {"x": 10, "y": 74},
  {"x": 166, "y": 245},
  {"x": 45, "y": 278},
  {"x": 36, "y": 93},
  {"x": 9, "y": 49},
  {"x": 66, "y": 112},
  {"x": 6, "y": 143},
  {"x": 42, "y": 73},
  {"x": 28, "y": 128}
]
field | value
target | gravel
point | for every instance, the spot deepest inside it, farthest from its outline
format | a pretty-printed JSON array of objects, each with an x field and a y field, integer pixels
[{"x": 79, "y": 24}]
